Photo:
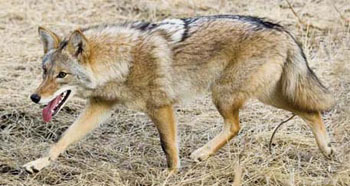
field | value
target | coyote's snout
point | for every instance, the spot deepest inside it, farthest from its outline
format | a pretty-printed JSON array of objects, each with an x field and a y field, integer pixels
[{"x": 152, "y": 66}]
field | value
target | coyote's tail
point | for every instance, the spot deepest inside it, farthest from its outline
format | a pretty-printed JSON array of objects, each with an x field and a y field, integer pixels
[{"x": 301, "y": 86}]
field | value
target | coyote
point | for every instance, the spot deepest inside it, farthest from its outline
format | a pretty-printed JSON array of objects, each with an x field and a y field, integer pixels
[{"x": 150, "y": 67}]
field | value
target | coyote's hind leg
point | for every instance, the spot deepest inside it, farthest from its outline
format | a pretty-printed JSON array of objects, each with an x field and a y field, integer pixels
[{"x": 230, "y": 114}]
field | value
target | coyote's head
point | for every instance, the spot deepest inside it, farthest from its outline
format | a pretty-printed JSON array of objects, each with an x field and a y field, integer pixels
[{"x": 65, "y": 70}]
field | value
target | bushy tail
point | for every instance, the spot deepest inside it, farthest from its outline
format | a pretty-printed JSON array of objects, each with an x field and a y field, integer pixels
[{"x": 301, "y": 86}]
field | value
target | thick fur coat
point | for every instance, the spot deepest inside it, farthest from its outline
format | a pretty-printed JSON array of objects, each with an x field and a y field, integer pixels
[{"x": 151, "y": 66}]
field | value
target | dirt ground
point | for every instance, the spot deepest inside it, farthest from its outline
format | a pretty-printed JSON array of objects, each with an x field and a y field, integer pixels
[{"x": 126, "y": 150}]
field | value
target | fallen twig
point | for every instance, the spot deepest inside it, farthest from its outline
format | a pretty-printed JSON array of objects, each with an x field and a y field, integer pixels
[{"x": 275, "y": 130}]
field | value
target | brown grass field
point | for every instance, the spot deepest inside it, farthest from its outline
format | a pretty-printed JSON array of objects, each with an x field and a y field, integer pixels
[{"x": 126, "y": 149}]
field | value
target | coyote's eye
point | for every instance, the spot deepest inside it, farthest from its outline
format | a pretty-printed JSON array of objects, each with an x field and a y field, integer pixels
[{"x": 61, "y": 75}]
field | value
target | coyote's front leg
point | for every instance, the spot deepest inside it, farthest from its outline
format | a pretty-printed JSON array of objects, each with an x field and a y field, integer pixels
[
  {"x": 95, "y": 113},
  {"x": 164, "y": 120}
]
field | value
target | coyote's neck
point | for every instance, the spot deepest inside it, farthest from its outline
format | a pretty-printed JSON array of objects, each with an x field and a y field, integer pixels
[{"x": 111, "y": 55}]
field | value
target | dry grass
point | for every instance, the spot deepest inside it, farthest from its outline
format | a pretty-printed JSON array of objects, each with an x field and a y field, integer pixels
[{"x": 126, "y": 150}]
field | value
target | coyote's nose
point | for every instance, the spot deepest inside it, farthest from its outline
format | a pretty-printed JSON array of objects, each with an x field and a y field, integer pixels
[{"x": 35, "y": 98}]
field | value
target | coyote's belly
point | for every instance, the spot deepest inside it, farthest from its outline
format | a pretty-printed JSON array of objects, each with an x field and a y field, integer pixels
[{"x": 196, "y": 78}]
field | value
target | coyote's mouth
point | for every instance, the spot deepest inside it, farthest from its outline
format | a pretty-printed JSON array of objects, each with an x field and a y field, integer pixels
[{"x": 55, "y": 105}]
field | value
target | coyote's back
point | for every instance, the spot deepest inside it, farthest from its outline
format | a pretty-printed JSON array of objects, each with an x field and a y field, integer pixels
[{"x": 232, "y": 52}]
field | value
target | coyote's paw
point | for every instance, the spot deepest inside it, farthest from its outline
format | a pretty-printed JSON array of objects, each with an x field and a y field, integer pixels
[
  {"x": 200, "y": 154},
  {"x": 36, "y": 165},
  {"x": 328, "y": 152},
  {"x": 170, "y": 172}
]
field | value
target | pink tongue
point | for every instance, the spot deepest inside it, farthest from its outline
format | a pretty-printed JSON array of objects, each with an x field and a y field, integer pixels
[{"x": 48, "y": 110}]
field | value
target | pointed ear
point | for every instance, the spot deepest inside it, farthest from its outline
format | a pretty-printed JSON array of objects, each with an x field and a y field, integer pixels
[
  {"x": 79, "y": 44},
  {"x": 49, "y": 39}
]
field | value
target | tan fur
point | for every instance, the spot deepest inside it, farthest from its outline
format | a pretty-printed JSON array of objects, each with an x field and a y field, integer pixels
[
  {"x": 230, "y": 129},
  {"x": 48, "y": 87},
  {"x": 95, "y": 113},
  {"x": 151, "y": 70},
  {"x": 314, "y": 120},
  {"x": 164, "y": 120}
]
